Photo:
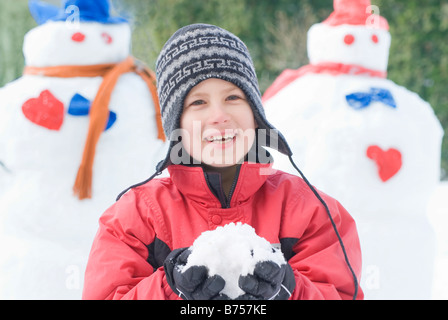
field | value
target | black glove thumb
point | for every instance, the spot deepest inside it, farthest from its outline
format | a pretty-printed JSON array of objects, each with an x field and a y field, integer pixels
[
  {"x": 193, "y": 283},
  {"x": 269, "y": 282}
]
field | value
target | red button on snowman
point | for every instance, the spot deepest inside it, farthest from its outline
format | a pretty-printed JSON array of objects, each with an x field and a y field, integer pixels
[{"x": 370, "y": 143}]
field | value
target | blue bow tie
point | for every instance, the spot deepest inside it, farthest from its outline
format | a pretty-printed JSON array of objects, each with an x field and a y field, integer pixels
[
  {"x": 361, "y": 100},
  {"x": 80, "y": 106}
]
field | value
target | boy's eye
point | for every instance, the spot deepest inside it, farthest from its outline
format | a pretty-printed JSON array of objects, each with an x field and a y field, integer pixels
[
  {"x": 197, "y": 103},
  {"x": 233, "y": 97}
]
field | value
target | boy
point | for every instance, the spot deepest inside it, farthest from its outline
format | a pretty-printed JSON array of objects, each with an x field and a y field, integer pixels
[{"x": 219, "y": 173}]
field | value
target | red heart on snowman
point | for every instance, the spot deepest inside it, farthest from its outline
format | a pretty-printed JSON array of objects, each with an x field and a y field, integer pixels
[
  {"x": 388, "y": 162},
  {"x": 45, "y": 111}
]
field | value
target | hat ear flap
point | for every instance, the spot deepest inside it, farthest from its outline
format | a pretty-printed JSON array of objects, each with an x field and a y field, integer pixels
[{"x": 41, "y": 11}]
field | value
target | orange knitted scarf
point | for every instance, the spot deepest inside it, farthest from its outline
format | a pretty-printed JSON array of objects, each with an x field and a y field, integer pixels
[{"x": 99, "y": 111}]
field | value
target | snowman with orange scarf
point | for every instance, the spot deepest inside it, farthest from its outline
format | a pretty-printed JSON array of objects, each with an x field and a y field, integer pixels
[
  {"x": 370, "y": 143},
  {"x": 80, "y": 125}
]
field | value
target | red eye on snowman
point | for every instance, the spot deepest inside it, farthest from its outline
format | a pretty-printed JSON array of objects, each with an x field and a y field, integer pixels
[
  {"x": 107, "y": 38},
  {"x": 349, "y": 39},
  {"x": 78, "y": 37}
]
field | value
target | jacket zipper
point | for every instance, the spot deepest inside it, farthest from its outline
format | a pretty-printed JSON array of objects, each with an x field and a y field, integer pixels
[
  {"x": 225, "y": 205},
  {"x": 232, "y": 188}
]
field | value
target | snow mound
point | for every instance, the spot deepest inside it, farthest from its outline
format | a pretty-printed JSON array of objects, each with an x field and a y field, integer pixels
[{"x": 231, "y": 251}]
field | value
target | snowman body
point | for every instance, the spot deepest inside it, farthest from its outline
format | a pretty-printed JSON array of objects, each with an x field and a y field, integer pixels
[
  {"x": 46, "y": 231},
  {"x": 374, "y": 146}
]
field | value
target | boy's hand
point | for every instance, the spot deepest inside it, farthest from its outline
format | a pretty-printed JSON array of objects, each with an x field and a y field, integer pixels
[
  {"x": 194, "y": 283},
  {"x": 269, "y": 282}
]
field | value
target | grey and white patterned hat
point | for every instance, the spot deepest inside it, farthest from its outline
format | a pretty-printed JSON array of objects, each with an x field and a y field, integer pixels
[{"x": 198, "y": 52}]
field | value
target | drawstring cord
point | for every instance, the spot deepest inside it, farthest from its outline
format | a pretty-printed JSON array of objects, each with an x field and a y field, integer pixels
[
  {"x": 158, "y": 173},
  {"x": 355, "y": 279}
]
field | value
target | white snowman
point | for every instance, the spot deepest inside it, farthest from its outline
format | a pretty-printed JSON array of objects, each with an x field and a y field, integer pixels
[
  {"x": 372, "y": 144},
  {"x": 76, "y": 129}
]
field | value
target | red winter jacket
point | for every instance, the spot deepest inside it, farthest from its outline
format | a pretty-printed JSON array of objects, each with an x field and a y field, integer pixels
[{"x": 140, "y": 230}]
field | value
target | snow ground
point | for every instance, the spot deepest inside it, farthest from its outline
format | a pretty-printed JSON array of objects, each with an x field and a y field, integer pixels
[{"x": 438, "y": 215}]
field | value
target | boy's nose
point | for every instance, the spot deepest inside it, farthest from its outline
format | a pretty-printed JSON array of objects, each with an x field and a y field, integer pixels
[{"x": 218, "y": 114}]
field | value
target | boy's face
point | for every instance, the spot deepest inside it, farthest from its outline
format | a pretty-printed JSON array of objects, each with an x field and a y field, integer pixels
[{"x": 218, "y": 126}]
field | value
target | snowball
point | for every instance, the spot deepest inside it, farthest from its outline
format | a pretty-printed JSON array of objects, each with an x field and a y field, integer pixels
[{"x": 231, "y": 251}]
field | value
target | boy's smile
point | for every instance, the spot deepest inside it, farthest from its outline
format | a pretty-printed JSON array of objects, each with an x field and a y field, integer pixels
[
  {"x": 223, "y": 138},
  {"x": 218, "y": 126}
]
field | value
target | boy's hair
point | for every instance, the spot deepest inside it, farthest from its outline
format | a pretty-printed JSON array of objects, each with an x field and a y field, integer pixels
[{"x": 199, "y": 52}]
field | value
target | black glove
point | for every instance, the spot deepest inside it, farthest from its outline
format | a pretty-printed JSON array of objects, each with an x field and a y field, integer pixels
[
  {"x": 194, "y": 283},
  {"x": 268, "y": 282}
]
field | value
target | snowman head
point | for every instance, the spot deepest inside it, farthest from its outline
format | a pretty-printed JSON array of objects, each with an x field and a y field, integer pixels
[
  {"x": 351, "y": 35},
  {"x": 80, "y": 33}
]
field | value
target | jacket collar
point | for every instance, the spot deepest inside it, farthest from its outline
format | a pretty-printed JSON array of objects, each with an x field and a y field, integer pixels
[{"x": 192, "y": 182}]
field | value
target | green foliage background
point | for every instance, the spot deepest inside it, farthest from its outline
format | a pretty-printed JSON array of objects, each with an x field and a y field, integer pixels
[{"x": 275, "y": 32}]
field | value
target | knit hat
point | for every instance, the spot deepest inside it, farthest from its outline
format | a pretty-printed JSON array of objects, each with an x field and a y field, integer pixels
[{"x": 199, "y": 52}]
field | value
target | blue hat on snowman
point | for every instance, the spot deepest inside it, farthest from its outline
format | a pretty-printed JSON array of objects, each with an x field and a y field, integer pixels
[{"x": 74, "y": 10}]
